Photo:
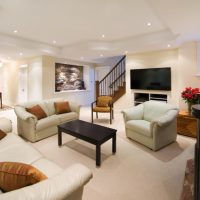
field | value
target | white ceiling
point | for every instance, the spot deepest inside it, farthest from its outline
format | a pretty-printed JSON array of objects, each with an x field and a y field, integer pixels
[{"x": 77, "y": 27}]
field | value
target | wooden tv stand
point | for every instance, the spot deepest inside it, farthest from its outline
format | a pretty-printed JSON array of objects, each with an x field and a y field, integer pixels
[{"x": 141, "y": 97}]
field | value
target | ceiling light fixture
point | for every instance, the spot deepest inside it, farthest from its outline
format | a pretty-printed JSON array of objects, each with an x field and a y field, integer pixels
[
  {"x": 149, "y": 24},
  {"x": 103, "y": 36},
  {"x": 9, "y": 57},
  {"x": 168, "y": 45},
  {"x": 15, "y": 31},
  {"x": 54, "y": 41},
  {"x": 20, "y": 53},
  {"x": 101, "y": 55},
  {"x": 82, "y": 58},
  {"x": 126, "y": 52}
]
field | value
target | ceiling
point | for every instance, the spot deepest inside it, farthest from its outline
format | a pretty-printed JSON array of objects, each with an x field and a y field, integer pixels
[{"x": 73, "y": 28}]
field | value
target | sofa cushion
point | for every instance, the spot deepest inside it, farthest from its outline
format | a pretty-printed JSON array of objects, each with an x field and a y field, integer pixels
[
  {"x": 102, "y": 103},
  {"x": 47, "y": 122},
  {"x": 2, "y": 134},
  {"x": 33, "y": 103},
  {"x": 14, "y": 149},
  {"x": 101, "y": 109},
  {"x": 37, "y": 111},
  {"x": 160, "y": 107},
  {"x": 139, "y": 126},
  {"x": 14, "y": 175},
  {"x": 48, "y": 167},
  {"x": 62, "y": 107},
  {"x": 50, "y": 105},
  {"x": 67, "y": 117}
]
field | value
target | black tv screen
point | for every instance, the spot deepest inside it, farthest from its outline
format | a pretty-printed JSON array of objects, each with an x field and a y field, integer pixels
[{"x": 151, "y": 79}]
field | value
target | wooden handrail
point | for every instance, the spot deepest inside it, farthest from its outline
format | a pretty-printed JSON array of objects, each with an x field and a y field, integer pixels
[
  {"x": 112, "y": 69},
  {"x": 117, "y": 78}
]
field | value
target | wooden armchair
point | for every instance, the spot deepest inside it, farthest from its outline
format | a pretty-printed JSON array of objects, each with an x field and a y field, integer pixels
[{"x": 103, "y": 104}]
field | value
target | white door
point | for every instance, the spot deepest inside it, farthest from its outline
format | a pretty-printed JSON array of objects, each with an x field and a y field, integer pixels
[{"x": 23, "y": 84}]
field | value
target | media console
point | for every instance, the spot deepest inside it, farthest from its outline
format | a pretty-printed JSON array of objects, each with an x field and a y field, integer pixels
[{"x": 141, "y": 97}]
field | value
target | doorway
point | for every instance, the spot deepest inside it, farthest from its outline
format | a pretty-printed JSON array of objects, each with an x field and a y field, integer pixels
[{"x": 23, "y": 84}]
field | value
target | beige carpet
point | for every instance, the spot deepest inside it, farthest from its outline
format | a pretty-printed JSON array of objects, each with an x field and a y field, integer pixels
[{"x": 134, "y": 173}]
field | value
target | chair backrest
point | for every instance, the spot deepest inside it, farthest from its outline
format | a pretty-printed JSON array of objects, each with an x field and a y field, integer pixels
[
  {"x": 104, "y": 101},
  {"x": 156, "y": 109}
]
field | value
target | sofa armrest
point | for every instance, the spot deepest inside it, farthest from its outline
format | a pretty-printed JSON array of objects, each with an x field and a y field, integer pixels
[
  {"x": 166, "y": 119},
  {"x": 23, "y": 114},
  {"x": 5, "y": 124},
  {"x": 61, "y": 186},
  {"x": 75, "y": 107},
  {"x": 134, "y": 113}
]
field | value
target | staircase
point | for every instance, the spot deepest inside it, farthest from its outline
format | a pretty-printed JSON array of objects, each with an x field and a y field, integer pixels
[{"x": 114, "y": 83}]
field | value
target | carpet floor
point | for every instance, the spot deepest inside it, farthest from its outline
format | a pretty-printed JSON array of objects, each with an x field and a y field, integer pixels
[{"x": 133, "y": 173}]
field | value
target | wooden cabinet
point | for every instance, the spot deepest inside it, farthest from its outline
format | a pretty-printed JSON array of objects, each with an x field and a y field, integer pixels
[{"x": 186, "y": 124}]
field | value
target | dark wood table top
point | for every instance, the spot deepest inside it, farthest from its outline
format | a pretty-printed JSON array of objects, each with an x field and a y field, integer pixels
[{"x": 87, "y": 131}]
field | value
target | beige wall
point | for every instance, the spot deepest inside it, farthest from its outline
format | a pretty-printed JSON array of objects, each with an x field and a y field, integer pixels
[
  {"x": 41, "y": 81},
  {"x": 48, "y": 84},
  {"x": 41, "y": 73},
  {"x": 10, "y": 80},
  {"x": 188, "y": 69},
  {"x": 183, "y": 62}
]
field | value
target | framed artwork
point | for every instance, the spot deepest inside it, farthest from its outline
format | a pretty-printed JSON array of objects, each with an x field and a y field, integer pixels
[{"x": 68, "y": 77}]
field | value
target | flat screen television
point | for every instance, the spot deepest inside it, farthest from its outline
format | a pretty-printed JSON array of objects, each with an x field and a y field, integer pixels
[{"x": 151, "y": 79}]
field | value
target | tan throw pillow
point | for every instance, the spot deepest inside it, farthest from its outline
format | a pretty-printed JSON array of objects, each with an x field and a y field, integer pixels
[
  {"x": 2, "y": 134},
  {"x": 102, "y": 103},
  {"x": 62, "y": 107},
  {"x": 37, "y": 111},
  {"x": 15, "y": 175}
]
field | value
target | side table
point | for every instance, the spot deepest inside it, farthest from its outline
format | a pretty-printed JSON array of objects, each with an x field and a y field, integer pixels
[{"x": 186, "y": 124}]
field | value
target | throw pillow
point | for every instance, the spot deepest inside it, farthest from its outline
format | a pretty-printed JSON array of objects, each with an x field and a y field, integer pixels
[
  {"x": 37, "y": 111},
  {"x": 2, "y": 134},
  {"x": 102, "y": 103},
  {"x": 15, "y": 175},
  {"x": 62, "y": 107}
]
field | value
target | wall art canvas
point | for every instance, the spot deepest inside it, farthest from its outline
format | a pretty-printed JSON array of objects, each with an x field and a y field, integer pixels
[{"x": 68, "y": 77}]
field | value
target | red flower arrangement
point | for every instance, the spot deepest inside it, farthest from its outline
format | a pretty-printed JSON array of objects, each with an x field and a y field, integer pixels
[{"x": 190, "y": 95}]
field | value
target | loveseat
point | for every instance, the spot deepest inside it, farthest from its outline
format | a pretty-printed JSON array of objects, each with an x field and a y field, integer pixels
[
  {"x": 152, "y": 124},
  {"x": 32, "y": 129},
  {"x": 62, "y": 184}
]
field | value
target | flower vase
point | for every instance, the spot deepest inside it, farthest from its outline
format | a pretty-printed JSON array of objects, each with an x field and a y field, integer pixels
[{"x": 190, "y": 107}]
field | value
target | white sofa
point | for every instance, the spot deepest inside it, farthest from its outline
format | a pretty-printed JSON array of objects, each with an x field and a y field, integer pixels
[
  {"x": 34, "y": 130},
  {"x": 152, "y": 124},
  {"x": 61, "y": 183}
]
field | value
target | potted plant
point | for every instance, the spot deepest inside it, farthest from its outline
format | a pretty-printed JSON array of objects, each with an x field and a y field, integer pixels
[{"x": 190, "y": 96}]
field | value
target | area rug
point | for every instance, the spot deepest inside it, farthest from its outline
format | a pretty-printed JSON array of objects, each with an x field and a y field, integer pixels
[{"x": 188, "y": 185}]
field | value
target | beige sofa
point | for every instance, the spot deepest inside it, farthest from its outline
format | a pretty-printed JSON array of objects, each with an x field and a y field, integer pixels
[
  {"x": 34, "y": 130},
  {"x": 61, "y": 183},
  {"x": 152, "y": 124}
]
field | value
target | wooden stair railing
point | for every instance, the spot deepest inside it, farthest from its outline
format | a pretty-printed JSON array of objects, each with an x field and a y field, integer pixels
[{"x": 114, "y": 81}]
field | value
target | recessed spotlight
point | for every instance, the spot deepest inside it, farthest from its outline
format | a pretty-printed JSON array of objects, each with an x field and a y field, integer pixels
[
  {"x": 9, "y": 57},
  {"x": 103, "y": 36},
  {"x": 149, "y": 24},
  {"x": 168, "y": 45},
  {"x": 82, "y": 58},
  {"x": 15, "y": 31},
  {"x": 101, "y": 55},
  {"x": 54, "y": 41},
  {"x": 126, "y": 52},
  {"x": 20, "y": 53}
]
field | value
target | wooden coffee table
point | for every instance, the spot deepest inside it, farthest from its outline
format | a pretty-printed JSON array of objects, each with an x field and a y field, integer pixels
[{"x": 92, "y": 133}]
